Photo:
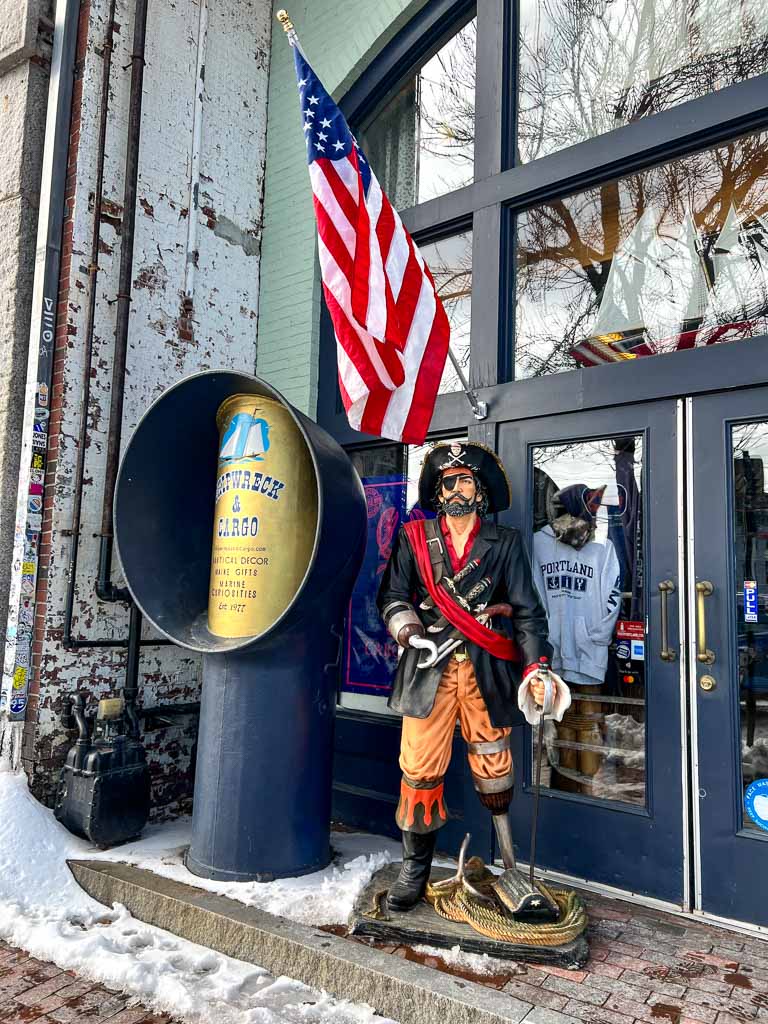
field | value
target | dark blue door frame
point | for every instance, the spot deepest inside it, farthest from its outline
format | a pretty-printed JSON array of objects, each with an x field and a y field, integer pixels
[
  {"x": 643, "y": 850},
  {"x": 639, "y": 849},
  {"x": 731, "y": 860}
]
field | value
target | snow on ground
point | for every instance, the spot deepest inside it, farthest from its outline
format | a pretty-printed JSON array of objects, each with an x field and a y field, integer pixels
[
  {"x": 44, "y": 911},
  {"x": 477, "y": 963},
  {"x": 323, "y": 897}
]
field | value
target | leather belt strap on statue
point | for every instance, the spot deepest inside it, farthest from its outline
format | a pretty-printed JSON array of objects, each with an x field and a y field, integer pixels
[{"x": 496, "y": 644}]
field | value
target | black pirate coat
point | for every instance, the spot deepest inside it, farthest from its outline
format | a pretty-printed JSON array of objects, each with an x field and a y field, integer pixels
[{"x": 502, "y": 558}]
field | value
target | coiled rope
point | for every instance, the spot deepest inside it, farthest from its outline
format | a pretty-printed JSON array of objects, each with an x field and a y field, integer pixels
[{"x": 455, "y": 903}]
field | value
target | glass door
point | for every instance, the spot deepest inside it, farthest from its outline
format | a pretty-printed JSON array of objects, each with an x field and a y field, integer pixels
[
  {"x": 728, "y": 543},
  {"x": 596, "y": 494}
]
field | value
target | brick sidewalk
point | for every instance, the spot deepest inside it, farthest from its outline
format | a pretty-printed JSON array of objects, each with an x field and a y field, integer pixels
[
  {"x": 645, "y": 967},
  {"x": 34, "y": 991}
]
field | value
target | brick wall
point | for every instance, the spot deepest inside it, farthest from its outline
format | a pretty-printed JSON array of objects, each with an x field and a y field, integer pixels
[
  {"x": 194, "y": 306},
  {"x": 340, "y": 39},
  {"x": 43, "y": 759}
]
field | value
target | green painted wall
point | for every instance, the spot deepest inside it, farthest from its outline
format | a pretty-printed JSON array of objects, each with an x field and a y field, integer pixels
[{"x": 340, "y": 38}]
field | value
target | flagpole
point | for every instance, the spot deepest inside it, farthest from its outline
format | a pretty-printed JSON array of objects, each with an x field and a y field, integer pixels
[
  {"x": 479, "y": 408},
  {"x": 290, "y": 31}
]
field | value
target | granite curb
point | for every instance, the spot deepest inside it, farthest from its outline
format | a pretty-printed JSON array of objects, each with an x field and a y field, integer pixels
[{"x": 407, "y": 992}]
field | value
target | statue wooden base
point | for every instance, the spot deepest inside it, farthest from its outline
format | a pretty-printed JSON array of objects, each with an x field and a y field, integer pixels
[{"x": 423, "y": 926}]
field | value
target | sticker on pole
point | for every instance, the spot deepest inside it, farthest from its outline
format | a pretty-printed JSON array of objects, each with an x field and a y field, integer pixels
[
  {"x": 18, "y": 704},
  {"x": 756, "y": 803},
  {"x": 750, "y": 600}
]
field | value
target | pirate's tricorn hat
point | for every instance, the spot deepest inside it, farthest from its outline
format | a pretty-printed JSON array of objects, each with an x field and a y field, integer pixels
[{"x": 465, "y": 455}]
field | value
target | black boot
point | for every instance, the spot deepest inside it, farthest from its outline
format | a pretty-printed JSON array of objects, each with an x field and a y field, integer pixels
[{"x": 412, "y": 881}]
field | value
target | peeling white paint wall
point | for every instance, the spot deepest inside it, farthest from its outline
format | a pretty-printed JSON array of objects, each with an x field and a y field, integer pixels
[{"x": 171, "y": 334}]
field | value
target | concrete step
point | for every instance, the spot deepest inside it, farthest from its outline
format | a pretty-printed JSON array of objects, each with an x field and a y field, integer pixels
[{"x": 405, "y": 991}]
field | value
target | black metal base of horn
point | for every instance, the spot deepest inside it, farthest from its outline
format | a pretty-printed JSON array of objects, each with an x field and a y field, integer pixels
[{"x": 421, "y": 925}]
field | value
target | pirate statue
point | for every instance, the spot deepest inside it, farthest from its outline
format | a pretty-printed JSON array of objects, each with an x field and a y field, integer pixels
[{"x": 448, "y": 584}]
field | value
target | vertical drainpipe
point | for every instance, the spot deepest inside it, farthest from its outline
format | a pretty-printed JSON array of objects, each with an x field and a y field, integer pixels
[
  {"x": 190, "y": 269},
  {"x": 105, "y": 588},
  {"x": 93, "y": 275},
  {"x": 39, "y": 371},
  {"x": 112, "y": 593}
]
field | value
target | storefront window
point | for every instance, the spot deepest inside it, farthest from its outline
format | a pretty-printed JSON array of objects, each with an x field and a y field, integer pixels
[
  {"x": 587, "y": 557},
  {"x": 673, "y": 258},
  {"x": 422, "y": 144},
  {"x": 450, "y": 261},
  {"x": 589, "y": 66},
  {"x": 750, "y": 515},
  {"x": 390, "y": 475}
]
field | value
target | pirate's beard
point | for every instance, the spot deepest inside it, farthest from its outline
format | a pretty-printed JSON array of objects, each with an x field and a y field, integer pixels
[{"x": 459, "y": 506}]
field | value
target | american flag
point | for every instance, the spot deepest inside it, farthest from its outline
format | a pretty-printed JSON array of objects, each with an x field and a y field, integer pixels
[{"x": 391, "y": 329}]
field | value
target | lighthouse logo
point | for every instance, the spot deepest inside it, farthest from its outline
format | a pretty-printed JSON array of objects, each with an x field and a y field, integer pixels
[{"x": 246, "y": 437}]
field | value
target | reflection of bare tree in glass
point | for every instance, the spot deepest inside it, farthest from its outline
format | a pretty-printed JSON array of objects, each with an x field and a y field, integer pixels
[
  {"x": 588, "y": 66},
  {"x": 421, "y": 143},
  {"x": 747, "y": 437},
  {"x": 565, "y": 247},
  {"x": 450, "y": 261},
  {"x": 446, "y": 111},
  {"x": 594, "y": 460}
]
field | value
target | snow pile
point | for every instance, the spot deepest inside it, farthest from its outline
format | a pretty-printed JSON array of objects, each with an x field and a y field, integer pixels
[
  {"x": 323, "y": 897},
  {"x": 43, "y": 910},
  {"x": 476, "y": 963}
]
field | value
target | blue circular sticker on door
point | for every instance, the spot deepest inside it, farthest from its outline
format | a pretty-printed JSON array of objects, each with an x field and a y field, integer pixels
[{"x": 756, "y": 803}]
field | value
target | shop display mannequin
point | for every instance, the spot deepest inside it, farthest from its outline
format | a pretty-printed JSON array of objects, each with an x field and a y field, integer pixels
[
  {"x": 464, "y": 572},
  {"x": 579, "y": 582}
]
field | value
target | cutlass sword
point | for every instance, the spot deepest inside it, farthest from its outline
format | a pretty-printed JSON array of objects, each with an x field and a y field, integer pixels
[{"x": 546, "y": 711}]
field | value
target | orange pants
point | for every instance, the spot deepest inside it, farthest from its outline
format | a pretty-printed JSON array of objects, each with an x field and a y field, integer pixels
[{"x": 425, "y": 748}]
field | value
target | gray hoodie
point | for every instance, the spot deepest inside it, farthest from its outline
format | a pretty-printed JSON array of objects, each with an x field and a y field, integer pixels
[{"x": 580, "y": 591}]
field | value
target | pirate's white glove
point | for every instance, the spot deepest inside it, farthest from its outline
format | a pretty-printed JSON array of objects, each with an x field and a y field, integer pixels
[{"x": 526, "y": 700}]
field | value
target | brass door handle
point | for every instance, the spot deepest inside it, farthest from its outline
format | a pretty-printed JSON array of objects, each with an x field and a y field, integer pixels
[
  {"x": 666, "y": 587},
  {"x": 704, "y": 589}
]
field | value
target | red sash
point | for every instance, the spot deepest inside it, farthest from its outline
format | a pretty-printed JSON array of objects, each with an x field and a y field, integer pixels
[{"x": 494, "y": 643}]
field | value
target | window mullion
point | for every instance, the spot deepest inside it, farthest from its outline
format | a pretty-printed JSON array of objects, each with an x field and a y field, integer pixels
[
  {"x": 489, "y": 85},
  {"x": 484, "y": 335}
]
